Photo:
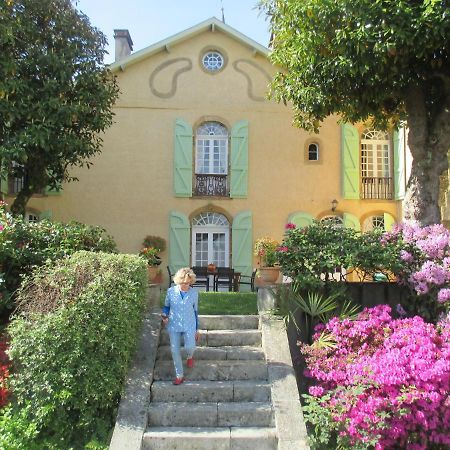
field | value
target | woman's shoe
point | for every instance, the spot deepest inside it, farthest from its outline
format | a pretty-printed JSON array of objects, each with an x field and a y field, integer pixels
[
  {"x": 190, "y": 363},
  {"x": 178, "y": 381}
]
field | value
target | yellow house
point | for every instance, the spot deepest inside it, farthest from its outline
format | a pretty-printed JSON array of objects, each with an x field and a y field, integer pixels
[{"x": 199, "y": 156}]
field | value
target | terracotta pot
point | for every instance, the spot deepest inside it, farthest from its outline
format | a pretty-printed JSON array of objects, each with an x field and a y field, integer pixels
[
  {"x": 152, "y": 273},
  {"x": 269, "y": 274}
]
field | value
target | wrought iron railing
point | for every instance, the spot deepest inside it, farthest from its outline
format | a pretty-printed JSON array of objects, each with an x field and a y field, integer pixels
[
  {"x": 211, "y": 185},
  {"x": 377, "y": 188}
]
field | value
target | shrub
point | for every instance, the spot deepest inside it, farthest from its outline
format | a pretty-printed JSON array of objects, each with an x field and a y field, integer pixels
[
  {"x": 71, "y": 341},
  {"x": 4, "y": 370},
  {"x": 24, "y": 246},
  {"x": 383, "y": 383},
  {"x": 425, "y": 257}
]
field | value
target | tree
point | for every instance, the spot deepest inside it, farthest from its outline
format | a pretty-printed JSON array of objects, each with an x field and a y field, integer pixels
[
  {"x": 56, "y": 95},
  {"x": 379, "y": 61}
]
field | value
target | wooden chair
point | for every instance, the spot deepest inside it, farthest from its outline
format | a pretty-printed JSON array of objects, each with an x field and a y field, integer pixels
[
  {"x": 224, "y": 276},
  {"x": 202, "y": 276},
  {"x": 249, "y": 280}
]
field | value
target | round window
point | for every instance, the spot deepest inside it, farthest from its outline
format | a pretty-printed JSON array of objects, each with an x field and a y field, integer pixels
[{"x": 212, "y": 61}]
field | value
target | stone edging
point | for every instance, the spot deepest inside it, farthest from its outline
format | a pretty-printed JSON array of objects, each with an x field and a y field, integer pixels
[
  {"x": 289, "y": 422},
  {"x": 132, "y": 416}
]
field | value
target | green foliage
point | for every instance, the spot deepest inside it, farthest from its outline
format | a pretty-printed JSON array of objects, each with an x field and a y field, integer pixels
[
  {"x": 71, "y": 342},
  {"x": 150, "y": 255},
  {"x": 359, "y": 58},
  {"x": 24, "y": 246},
  {"x": 56, "y": 95},
  {"x": 324, "y": 430},
  {"x": 311, "y": 254},
  {"x": 292, "y": 299}
]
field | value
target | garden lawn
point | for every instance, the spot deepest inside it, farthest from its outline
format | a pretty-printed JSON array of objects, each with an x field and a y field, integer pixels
[{"x": 234, "y": 303}]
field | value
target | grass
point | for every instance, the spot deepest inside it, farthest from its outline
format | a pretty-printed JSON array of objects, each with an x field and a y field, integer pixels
[{"x": 235, "y": 303}]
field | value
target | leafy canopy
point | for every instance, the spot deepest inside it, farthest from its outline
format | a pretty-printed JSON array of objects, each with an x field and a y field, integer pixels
[
  {"x": 360, "y": 58},
  {"x": 56, "y": 94}
]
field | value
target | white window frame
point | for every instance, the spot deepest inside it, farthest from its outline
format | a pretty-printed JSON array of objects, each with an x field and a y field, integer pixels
[
  {"x": 375, "y": 154},
  {"x": 210, "y": 223},
  {"x": 211, "y": 150},
  {"x": 369, "y": 223}
]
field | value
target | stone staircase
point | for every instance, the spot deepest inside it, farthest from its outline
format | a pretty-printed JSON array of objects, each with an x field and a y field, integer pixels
[{"x": 225, "y": 402}]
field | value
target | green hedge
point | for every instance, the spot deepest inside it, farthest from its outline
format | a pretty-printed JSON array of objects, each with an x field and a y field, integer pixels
[
  {"x": 71, "y": 342},
  {"x": 25, "y": 246}
]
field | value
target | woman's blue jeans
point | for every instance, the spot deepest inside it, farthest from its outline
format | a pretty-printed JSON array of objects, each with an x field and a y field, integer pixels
[{"x": 175, "y": 348}]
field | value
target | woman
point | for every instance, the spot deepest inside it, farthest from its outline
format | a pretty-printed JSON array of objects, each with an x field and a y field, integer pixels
[{"x": 180, "y": 314}]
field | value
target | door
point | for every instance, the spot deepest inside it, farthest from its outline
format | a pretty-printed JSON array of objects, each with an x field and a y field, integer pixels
[
  {"x": 210, "y": 240},
  {"x": 210, "y": 246}
]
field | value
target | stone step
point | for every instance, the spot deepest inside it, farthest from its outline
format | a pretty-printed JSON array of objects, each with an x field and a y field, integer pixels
[
  {"x": 214, "y": 370},
  {"x": 217, "y": 353},
  {"x": 228, "y": 322},
  {"x": 211, "y": 391},
  {"x": 187, "y": 438},
  {"x": 220, "y": 338},
  {"x": 226, "y": 414}
]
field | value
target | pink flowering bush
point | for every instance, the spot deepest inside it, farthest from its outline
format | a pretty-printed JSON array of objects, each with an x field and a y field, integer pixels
[
  {"x": 382, "y": 384},
  {"x": 426, "y": 269}
]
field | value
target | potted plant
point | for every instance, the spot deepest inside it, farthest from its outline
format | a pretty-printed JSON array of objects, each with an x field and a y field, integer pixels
[
  {"x": 265, "y": 250},
  {"x": 150, "y": 254},
  {"x": 155, "y": 242}
]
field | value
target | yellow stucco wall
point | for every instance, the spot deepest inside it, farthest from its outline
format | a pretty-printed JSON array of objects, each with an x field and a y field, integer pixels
[{"x": 129, "y": 188}]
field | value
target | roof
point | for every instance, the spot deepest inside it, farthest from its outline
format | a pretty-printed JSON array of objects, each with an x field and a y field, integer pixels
[{"x": 212, "y": 24}]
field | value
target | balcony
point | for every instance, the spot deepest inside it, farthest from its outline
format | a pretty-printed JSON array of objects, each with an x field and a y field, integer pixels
[
  {"x": 377, "y": 188},
  {"x": 211, "y": 186}
]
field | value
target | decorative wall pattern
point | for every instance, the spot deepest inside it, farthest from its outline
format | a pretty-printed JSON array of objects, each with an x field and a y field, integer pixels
[
  {"x": 166, "y": 70},
  {"x": 242, "y": 66}
]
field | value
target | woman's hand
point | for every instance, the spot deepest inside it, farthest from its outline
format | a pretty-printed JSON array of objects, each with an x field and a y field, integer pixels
[
  {"x": 165, "y": 320},
  {"x": 197, "y": 336}
]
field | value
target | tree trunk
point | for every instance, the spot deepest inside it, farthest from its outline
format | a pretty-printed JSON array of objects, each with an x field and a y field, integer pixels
[
  {"x": 20, "y": 203},
  {"x": 429, "y": 142}
]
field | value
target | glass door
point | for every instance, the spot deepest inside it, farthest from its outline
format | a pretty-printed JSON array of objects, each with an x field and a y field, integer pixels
[{"x": 210, "y": 246}]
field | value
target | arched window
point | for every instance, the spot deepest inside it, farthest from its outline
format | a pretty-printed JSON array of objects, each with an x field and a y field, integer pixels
[
  {"x": 333, "y": 220},
  {"x": 211, "y": 149},
  {"x": 374, "y": 223},
  {"x": 31, "y": 217},
  {"x": 313, "y": 152}
]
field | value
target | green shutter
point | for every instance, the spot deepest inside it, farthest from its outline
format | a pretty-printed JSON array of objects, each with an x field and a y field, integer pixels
[
  {"x": 351, "y": 221},
  {"x": 179, "y": 241},
  {"x": 182, "y": 159},
  {"x": 388, "y": 221},
  {"x": 399, "y": 165},
  {"x": 301, "y": 219},
  {"x": 350, "y": 161},
  {"x": 45, "y": 215},
  {"x": 239, "y": 160},
  {"x": 242, "y": 243}
]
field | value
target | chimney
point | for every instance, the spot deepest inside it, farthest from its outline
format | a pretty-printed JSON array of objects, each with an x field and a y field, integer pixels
[{"x": 123, "y": 44}]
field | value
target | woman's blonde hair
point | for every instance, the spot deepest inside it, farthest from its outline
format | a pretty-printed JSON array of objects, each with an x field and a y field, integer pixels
[{"x": 184, "y": 275}]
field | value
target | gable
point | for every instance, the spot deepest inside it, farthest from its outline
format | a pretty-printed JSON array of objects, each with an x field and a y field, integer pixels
[
  {"x": 175, "y": 77},
  {"x": 211, "y": 24}
]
